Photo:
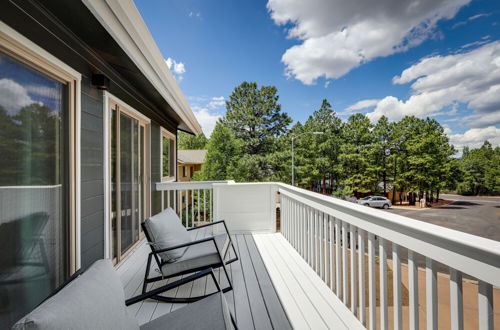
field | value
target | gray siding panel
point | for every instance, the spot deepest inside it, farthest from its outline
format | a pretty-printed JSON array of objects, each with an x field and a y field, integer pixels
[
  {"x": 92, "y": 254},
  {"x": 92, "y": 184},
  {"x": 92, "y": 205},
  {"x": 92, "y": 172},
  {"x": 92, "y": 188}
]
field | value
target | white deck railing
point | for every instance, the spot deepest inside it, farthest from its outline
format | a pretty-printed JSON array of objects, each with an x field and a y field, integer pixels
[
  {"x": 323, "y": 230},
  {"x": 193, "y": 201}
]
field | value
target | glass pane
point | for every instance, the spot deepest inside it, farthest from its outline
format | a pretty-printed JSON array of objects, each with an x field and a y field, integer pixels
[
  {"x": 126, "y": 152},
  {"x": 135, "y": 181},
  {"x": 34, "y": 222}
]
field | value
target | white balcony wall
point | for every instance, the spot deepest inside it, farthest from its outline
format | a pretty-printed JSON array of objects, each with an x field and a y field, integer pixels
[{"x": 246, "y": 207}]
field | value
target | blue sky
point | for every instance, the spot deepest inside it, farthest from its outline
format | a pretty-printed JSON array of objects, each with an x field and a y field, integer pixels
[{"x": 427, "y": 58}]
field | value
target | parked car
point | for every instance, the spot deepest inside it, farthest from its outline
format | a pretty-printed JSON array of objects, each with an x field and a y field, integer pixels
[{"x": 375, "y": 201}]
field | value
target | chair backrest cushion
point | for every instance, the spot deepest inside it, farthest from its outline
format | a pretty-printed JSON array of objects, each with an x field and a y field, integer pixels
[
  {"x": 165, "y": 230},
  {"x": 94, "y": 300}
]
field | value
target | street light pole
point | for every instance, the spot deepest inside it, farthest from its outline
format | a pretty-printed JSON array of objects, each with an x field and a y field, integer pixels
[{"x": 293, "y": 160}]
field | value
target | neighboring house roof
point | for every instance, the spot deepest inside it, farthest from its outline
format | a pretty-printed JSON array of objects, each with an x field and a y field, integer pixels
[
  {"x": 191, "y": 156},
  {"x": 123, "y": 21}
]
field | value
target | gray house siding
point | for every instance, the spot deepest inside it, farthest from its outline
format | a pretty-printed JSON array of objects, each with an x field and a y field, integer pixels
[{"x": 92, "y": 171}]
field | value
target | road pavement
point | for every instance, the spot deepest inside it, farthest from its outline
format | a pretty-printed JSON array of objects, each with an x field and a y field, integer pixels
[{"x": 474, "y": 215}]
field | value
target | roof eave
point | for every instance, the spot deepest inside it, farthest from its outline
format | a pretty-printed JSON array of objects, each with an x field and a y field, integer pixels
[{"x": 124, "y": 23}]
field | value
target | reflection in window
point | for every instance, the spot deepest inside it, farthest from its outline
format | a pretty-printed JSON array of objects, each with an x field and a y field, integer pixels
[
  {"x": 33, "y": 188},
  {"x": 168, "y": 158}
]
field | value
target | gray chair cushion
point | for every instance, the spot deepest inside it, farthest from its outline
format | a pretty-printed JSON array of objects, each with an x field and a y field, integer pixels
[
  {"x": 209, "y": 313},
  {"x": 198, "y": 255},
  {"x": 165, "y": 230},
  {"x": 94, "y": 300}
]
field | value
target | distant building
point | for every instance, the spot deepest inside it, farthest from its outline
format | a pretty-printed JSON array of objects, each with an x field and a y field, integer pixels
[{"x": 189, "y": 162}]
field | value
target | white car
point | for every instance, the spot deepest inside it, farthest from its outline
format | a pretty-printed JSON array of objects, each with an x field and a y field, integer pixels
[{"x": 375, "y": 201}]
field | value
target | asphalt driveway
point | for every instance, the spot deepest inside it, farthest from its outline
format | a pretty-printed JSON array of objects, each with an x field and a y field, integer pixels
[{"x": 474, "y": 215}]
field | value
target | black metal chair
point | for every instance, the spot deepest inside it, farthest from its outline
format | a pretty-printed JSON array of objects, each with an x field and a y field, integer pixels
[{"x": 209, "y": 252}]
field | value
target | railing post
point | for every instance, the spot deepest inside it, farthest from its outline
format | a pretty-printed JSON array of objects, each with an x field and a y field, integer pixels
[
  {"x": 372, "y": 288},
  {"x": 354, "y": 287},
  {"x": 456, "y": 300},
  {"x": 396, "y": 284},
  {"x": 383, "y": 284},
  {"x": 485, "y": 303},
  {"x": 413, "y": 290},
  {"x": 431, "y": 293},
  {"x": 345, "y": 280},
  {"x": 362, "y": 300}
]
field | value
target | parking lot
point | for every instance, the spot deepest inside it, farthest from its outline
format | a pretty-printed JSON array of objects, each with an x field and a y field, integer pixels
[{"x": 474, "y": 215}]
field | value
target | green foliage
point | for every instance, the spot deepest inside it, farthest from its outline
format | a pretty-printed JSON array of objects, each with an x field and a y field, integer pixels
[
  {"x": 255, "y": 120},
  {"x": 481, "y": 170},
  {"x": 187, "y": 141},
  {"x": 355, "y": 152},
  {"x": 222, "y": 156},
  {"x": 253, "y": 142},
  {"x": 317, "y": 155}
]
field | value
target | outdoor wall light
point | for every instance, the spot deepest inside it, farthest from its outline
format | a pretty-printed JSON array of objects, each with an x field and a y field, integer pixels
[{"x": 100, "y": 81}]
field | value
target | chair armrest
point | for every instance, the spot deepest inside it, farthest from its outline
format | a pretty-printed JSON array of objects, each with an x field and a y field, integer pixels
[
  {"x": 170, "y": 286},
  {"x": 208, "y": 224},
  {"x": 186, "y": 244}
]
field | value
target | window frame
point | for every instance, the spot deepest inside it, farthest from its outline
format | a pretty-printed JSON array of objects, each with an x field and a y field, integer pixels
[
  {"x": 33, "y": 56},
  {"x": 173, "y": 155}
]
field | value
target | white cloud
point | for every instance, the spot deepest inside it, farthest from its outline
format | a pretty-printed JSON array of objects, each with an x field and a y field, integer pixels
[
  {"x": 475, "y": 137},
  {"x": 206, "y": 119},
  {"x": 216, "y": 102},
  {"x": 363, "y": 104},
  {"x": 339, "y": 35},
  {"x": 177, "y": 68},
  {"x": 207, "y": 110},
  {"x": 471, "y": 78},
  {"x": 194, "y": 14},
  {"x": 13, "y": 96}
]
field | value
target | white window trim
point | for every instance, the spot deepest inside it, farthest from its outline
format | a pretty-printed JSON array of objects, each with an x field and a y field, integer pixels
[
  {"x": 39, "y": 57},
  {"x": 169, "y": 135}
]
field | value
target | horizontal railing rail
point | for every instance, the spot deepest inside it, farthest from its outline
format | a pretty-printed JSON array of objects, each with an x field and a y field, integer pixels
[{"x": 339, "y": 239}]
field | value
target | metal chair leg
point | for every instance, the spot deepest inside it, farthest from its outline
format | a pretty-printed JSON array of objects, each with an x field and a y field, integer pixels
[{"x": 146, "y": 275}]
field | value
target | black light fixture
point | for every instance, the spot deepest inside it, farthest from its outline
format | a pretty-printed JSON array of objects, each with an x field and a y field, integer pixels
[{"x": 100, "y": 81}]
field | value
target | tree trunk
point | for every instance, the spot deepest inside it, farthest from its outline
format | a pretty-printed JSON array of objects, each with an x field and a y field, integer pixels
[{"x": 324, "y": 185}]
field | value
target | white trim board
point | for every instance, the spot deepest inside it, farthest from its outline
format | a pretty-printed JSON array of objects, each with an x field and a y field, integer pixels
[{"x": 308, "y": 302}]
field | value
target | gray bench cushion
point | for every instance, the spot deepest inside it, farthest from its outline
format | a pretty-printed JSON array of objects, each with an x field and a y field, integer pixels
[
  {"x": 165, "y": 230},
  {"x": 198, "y": 255},
  {"x": 209, "y": 313},
  {"x": 94, "y": 300}
]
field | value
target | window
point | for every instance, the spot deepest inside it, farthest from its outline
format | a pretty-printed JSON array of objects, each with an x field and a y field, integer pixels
[
  {"x": 168, "y": 155},
  {"x": 191, "y": 172},
  {"x": 37, "y": 176},
  {"x": 184, "y": 170}
]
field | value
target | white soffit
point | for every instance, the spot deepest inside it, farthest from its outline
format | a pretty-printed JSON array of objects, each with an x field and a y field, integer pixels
[{"x": 124, "y": 23}]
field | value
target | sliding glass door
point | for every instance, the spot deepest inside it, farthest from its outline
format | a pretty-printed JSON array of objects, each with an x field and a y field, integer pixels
[
  {"x": 35, "y": 218},
  {"x": 128, "y": 180}
]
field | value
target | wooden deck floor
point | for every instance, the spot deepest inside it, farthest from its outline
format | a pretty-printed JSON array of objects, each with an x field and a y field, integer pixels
[{"x": 254, "y": 301}]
